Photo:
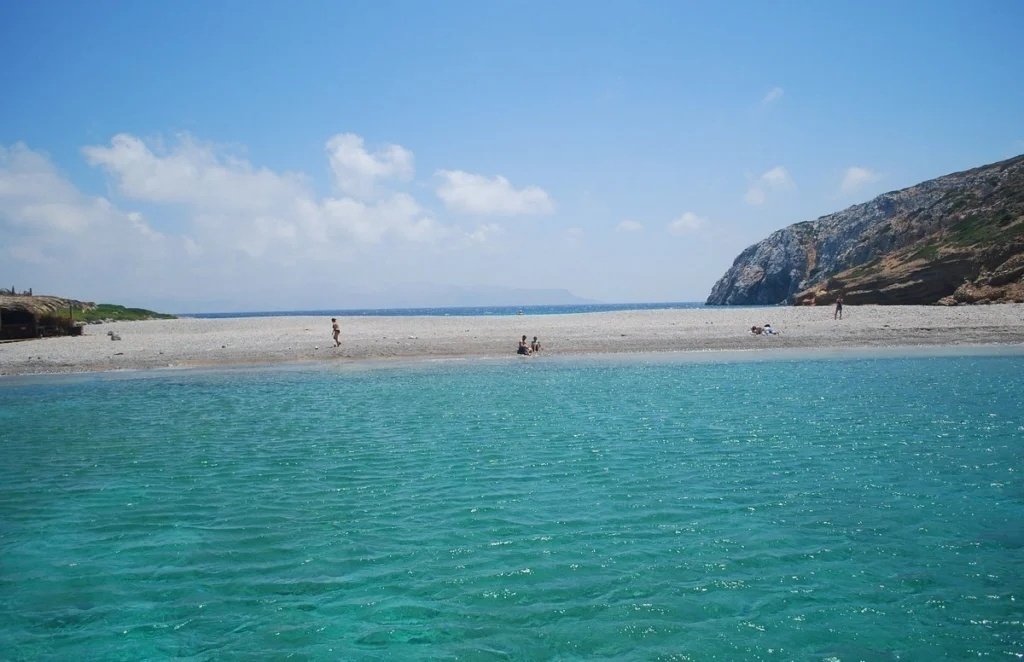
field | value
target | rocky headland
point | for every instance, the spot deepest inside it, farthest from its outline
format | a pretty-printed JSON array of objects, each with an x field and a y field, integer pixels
[{"x": 950, "y": 240}]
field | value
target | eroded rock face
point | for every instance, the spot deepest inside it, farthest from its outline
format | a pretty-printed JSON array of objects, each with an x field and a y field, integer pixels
[
  {"x": 955, "y": 239},
  {"x": 764, "y": 273}
]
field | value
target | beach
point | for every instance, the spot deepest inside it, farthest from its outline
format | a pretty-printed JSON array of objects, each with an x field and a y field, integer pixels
[
  {"x": 653, "y": 485},
  {"x": 200, "y": 342}
]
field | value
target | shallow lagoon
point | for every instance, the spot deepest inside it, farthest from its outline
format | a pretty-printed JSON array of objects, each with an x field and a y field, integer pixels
[{"x": 856, "y": 507}]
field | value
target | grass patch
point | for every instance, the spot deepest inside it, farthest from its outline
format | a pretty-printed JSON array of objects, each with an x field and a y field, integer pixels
[
  {"x": 866, "y": 269},
  {"x": 986, "y": 229},
  {"x": 109, "y": 311},
  {"x": 1005, "y": 218},
  {"x": 926, "y": 253}
]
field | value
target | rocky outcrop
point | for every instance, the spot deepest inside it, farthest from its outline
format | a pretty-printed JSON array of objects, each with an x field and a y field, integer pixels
[{"x": 954, "y": 239}]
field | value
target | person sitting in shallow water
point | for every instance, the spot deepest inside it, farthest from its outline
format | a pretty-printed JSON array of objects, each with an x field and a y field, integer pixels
[
  {"x": 524, "y": 349},
  {"x": 535, "y": 345}
]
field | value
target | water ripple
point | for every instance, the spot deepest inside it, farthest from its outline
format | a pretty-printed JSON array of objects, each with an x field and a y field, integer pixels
[{"x": 803, "y": 510}]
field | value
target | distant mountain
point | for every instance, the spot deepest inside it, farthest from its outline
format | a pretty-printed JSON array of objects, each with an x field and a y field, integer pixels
[
  {"x": 453, "y": 297},
  {"x": 954, "y": 239},
  {"x": 418, "y": 296}
]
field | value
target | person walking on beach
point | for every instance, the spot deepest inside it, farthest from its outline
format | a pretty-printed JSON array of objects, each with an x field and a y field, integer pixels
[
  {"x": 839, "y": 308},
  {"x": 336, "y": 331}
]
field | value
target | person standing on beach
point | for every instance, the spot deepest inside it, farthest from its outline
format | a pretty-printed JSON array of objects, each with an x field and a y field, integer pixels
[
  {"x": 336, "y": 331},
  {"x": 839, "y": 308}
]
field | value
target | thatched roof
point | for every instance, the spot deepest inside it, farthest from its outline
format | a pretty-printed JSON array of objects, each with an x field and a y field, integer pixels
[{"x": 42, "y": 305}]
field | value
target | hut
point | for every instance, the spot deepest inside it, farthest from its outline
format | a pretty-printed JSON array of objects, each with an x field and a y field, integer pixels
[{"x": 35, "y": 316}]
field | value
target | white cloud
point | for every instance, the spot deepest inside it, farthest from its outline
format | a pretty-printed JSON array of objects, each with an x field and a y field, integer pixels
[
  {"x": 36, "y": 199},
  {"x": 478, "y": 194},
  {"x": 575, "y": 234},
  {"x": 210, "y": 221},
  {"x": 399, "y": 215},
  {"x": 47, "y": 224},
  {"x": 260, "y": 212},
  {"x": 192, "y": 173},
  {"x": 485, "y": 234},
  {"x": 773, "y": 95},
  {"x": 775, "y": 180},
  {"x": 356, "y": 171},
  {"x": 754, "y": 196},
  {"x": 629, "y": 226},
  {"x": 27, "y": 175},
  {"x": 857, "y": 177},
  {"x": 778, "y": 178},
  {"x": 688, "y": 222}
]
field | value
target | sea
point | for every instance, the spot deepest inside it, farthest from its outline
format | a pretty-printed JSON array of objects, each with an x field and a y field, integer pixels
[
  {"x": 831, "y": 507},
  {"x": 464, "y": 311}
]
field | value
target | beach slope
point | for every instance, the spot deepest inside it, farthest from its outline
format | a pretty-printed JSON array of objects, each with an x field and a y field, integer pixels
[{"x": 190, "y": 342}]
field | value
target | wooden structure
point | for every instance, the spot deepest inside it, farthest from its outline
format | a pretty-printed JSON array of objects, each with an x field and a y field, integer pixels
[{"x": 36, "y": 316}]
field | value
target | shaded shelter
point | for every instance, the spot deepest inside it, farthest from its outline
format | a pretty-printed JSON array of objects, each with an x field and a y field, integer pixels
[{"x": 38, "y": 316}]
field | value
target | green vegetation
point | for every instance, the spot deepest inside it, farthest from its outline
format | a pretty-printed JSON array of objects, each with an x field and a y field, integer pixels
[
  {"x": 1005, "y": 218},
  {"x": 109, "y": 311},
  {"x": 958, "y": 200},
  {"x": 926, "y": 253},
  {"x": 866, "y": 269},
  {"x": 986, "y": 229}
]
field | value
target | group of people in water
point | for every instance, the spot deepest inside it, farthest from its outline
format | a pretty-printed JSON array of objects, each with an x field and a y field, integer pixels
[{"x": 526, "y": 349}]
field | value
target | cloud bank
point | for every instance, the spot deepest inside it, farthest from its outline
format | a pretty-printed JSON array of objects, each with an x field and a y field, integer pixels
[{"x": 191, "y": 214}]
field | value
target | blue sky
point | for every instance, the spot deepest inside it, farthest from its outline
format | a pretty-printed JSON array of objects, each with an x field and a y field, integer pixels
[{"x": 197, "y": 156}]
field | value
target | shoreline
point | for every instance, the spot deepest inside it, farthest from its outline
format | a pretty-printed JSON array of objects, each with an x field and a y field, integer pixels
[
  {"x": 720, "y": 356},
  {"x": 206, "y": 343}
]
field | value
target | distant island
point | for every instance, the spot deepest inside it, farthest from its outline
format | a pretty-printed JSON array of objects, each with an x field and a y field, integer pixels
[{"x": 957, "y": 239}]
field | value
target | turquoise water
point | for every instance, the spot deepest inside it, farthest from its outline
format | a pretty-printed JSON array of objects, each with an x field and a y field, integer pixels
[{"x": 527, "y": 510}]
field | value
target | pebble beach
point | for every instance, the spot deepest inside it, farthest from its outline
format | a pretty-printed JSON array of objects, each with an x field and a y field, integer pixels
[{"x": 198, "y": 342}]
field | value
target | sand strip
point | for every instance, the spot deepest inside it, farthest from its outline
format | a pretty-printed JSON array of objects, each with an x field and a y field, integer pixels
[{"x": 188, "y": 342}]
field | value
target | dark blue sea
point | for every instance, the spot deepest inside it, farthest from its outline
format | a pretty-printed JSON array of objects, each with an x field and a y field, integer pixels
[{"x": 461, "y": 311}]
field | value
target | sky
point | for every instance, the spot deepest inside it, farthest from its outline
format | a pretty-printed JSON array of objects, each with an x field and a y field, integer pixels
[{"x": 205, "y": 156}]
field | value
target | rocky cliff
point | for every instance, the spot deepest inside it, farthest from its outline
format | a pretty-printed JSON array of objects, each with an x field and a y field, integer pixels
[{"x": 954, "y": 239}]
